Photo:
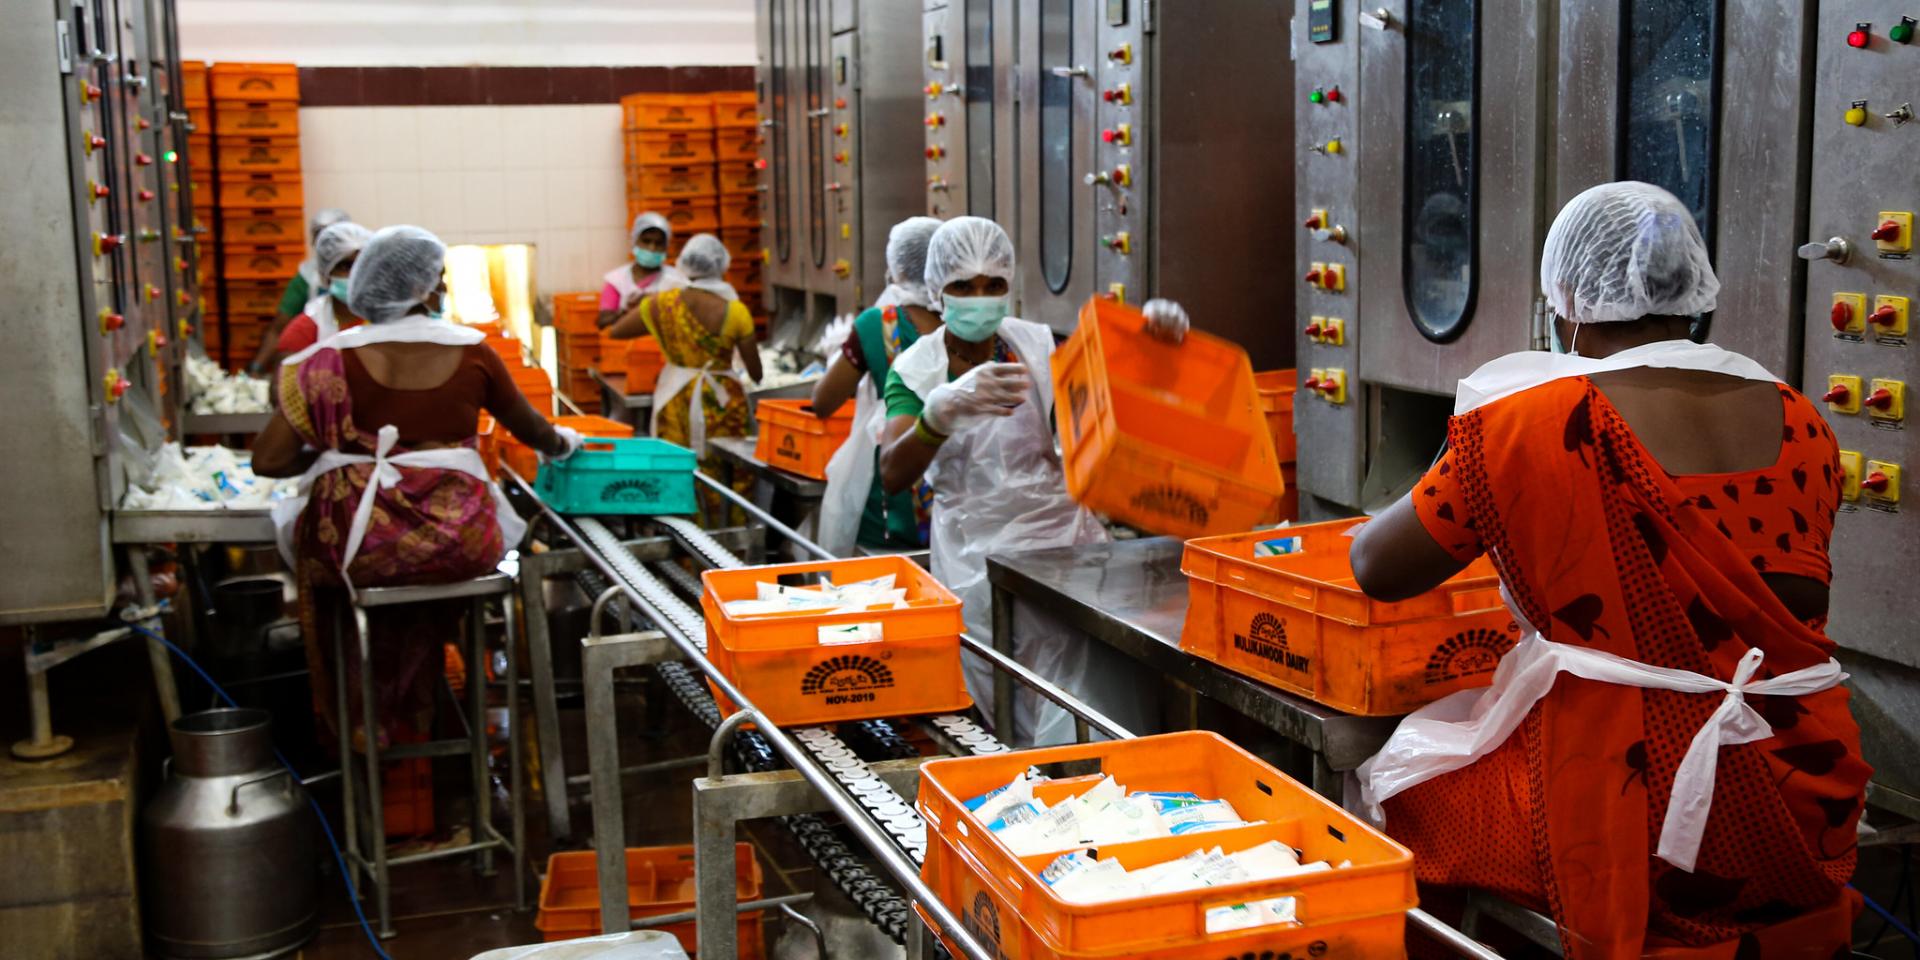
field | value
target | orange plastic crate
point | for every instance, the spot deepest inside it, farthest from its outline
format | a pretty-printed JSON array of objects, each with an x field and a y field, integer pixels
[
  {"x": 1276, "y": 389},
  {"x": 736, "y": 144},
  {"x": 577, "y": 351},
  {"x": 667, "y": 111},
  {"x": 258, "y": 155},
  {"x": 1290, "y": 504},
  {"x": 193, "y": 82},
  {"x": 744, "y": 275},
  {"x": 687, "y": 217},
  {"x": 254, "y": 81},
  {"x": 668, "y": 147},
  {"x": 268, "y": 118},
  {"x": 740, "y": 211},
  {"x": 1355, "y": 911},
  {"x": 613, "y": 354},
  {"x": 278, "y": 191},
  {"x": 272, "y": 262},
  {"x": 576, "y": 312},
  {"x": 778, "y": 660},
  {"x": 526, "y": 461},
  {"x": 1165, "y": 437},
  {"x": 797, "y": 440},
  {"x": 672, "y": 182},
  {"x": 200, "y": 116},
  {"x": 659, "y": 881},
  {"x": 644, "y": 362},
  {"x": 1300, "y": 622},
  {"x": 243, "y": 227},
  {"x": 736, "y": 109},
  {"x": 739, "y": 177},
  {"x": 260, "y": 297},
  {"x": 743, "y": 243}
]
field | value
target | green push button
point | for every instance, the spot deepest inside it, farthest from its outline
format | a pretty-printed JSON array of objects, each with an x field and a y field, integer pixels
[{"x": 1902, "y": 32}]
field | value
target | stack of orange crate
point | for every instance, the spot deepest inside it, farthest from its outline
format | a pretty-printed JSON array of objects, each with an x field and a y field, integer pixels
[
  {"x": 260, "y": 206},
  {"x": 576, "y": 337},
  {"x": 694, "y": 158},
  {"x": 200, "y": 164}
]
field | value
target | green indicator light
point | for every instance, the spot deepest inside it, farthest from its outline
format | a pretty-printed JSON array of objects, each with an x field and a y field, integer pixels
[
  {"x": 1902, "y": 32},
  {"x": 1316, "y": 97},
  {"x": 173, "y": 156}
]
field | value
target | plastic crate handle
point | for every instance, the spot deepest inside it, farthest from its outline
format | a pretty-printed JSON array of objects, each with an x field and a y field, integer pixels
[{"x": 1201, "y": 907}]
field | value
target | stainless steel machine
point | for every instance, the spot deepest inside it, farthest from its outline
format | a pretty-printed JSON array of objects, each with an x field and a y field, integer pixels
[
  {"x": 1861, "y": 278},
  {"x": 101, "y": 297},
  {"x": 961, "y": 52},
  {"x": 1146, "y": 159},
  {"x": 837, "y": 83}
]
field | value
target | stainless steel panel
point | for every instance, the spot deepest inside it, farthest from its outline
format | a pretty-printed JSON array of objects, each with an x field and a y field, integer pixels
[
  {"x": 1008, "y": 125},
  {"x": 889, "y": 153},
  {"x": 1511, "y": 183},
  {"x": 1056, "y": 92},
  {"x": 943, "y": 53},
  {"x": 1333, "y": 455},
  {"x": 1856, "y": 172},
  {"x": 1588, "y": 142},
  {"x": 1127, "y": 198},
  {"x": 51, "y": 524},
  {"x": 844, "y": 190},
  {"x": 844, "y": 15},
  {"x": 817, "y": 141},
  {"x": 776, "y": 79}
]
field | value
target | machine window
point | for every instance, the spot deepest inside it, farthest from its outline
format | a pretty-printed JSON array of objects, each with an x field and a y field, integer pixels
[
  {"x": 979, "y": 100},
  {"x": 1442, "y": 165},
  {"x": 1668, "y": 105},
  {"x": 1056, "y": 144}
]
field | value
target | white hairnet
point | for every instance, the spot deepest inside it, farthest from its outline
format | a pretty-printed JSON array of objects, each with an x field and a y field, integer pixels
[
  {"x": 325, "y": 218},
  {"x": 1622, "y": 251},
  {"x": 907, "y": 259},
  {"x": 964, "y": 248},
  {"x": 398, "y": 270},
  {"x": 704, "y": 257},
  {"x": 336, "y": 243},
  {"x": 648, "y": 220}
]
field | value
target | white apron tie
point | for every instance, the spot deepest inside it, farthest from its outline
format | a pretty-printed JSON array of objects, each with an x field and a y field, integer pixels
[{"x": 673, "y": 378}]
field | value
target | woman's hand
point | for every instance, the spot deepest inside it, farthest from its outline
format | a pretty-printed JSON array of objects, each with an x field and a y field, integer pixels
[
  {"x": 1166, "y": 320},
  {"x": 988, "y": 390}
]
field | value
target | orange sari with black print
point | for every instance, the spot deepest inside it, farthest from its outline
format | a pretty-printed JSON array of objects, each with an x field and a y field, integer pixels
[{"x": 1599, "y": 547}]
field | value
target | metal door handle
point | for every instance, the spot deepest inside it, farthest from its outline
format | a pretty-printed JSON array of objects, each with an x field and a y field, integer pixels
[
  {"x": 233, "y": 798},
  {"x": 1836, "y": 249},
  {"x": 1380, "y": 18},
  {"x": 767, "y": 122},
  {"x": 823, "y": 111},
  {"x": 1079, "y": 71}
]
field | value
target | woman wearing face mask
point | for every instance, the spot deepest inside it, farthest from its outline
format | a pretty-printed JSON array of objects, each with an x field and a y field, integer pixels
[
  {"x": 857, "y": 509},
  {"x": 1659, "y": 512},
  {"x": 328, "y": 313},
  {"x": 699, "y": 327},
  {"x": 646, "y": 273},
  {"x": 397, "y": 397},
  {"x": 971, "y": 410}
]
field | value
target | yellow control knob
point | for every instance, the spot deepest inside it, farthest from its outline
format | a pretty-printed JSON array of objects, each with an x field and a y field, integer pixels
[
  {"x": 1333, "y": 146},
  {"x": 1857, "y": 114}
]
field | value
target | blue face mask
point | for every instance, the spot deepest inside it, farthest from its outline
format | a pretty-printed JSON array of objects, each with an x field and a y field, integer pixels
[
  {"x": 974, "y": 319},
  {"x": 338, "y": 287},
  {"x": 650, "y": 259}
]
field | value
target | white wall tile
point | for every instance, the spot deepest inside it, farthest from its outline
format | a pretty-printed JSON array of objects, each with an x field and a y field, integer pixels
[
  {"x": 477, "y": 135},
  {"x": 485, "y": 193},
  {"x": 394, "y": 145},
  {"x": 436, "y": 130},
  {"x": 400, "y": 197},
  {"x": 442, "y": 201},
  {"x": 526, "y": 198}
]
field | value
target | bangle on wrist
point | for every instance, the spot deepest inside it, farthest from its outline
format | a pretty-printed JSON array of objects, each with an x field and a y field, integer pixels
[{"x": 927, "y": 434}]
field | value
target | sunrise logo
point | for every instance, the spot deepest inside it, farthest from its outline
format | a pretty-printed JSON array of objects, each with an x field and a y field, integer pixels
[
  {"x": 1466, "y": 654},
  {"x": 846, "y": 679},
  {"x": 631, "y": 490},
  {"x": 1172, "y": 502},
  {"x": 1266, "y": 638}
]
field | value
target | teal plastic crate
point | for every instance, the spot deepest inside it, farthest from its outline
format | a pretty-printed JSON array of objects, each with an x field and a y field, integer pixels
[{"x": 621, "y": 476}]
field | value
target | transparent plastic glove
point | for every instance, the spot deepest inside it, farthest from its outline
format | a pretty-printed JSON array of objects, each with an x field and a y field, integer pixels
[
  {"x": 1166, "y": 320},
  {"x": 989, "y": 390},
  {"x": 573, "y": 439}
]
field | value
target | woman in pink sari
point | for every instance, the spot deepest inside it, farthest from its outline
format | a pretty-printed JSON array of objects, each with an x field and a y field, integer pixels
[{"x": 379, "y": 423}]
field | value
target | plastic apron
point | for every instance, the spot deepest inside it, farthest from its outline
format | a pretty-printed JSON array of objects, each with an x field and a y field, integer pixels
[
  {"x": 998, "y": 487},
  {"x": 320, "y": 311},
  {"x": 850, "y": 469},
  {"x": 1458, "y": 729},
  {"x": 387, "y": 465},
  {"x": 674, "y": 378}
]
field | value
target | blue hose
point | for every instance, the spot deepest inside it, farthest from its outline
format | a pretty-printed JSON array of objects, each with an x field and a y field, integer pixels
[
  {"x": 1898, "y": 927},
  {"x": 332, "y": 844}
]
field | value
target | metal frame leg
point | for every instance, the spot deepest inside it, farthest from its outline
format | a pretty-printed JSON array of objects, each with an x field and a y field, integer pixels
[
  {"x": 1002, "y": 681},
  {"x": 609, "y": 820},
  {"x": 157, "y": 654},
  {"x": 546, "y": 702},
  {"x": 376, "y": 811},
  {"x": 516, "y": 786},
  {"x": 343, "y": 724},
  {"x": 716, "y": 878},
  {"x": 482, "y": 808}
]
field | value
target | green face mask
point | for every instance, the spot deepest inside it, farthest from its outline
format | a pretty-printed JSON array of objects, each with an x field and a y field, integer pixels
[
  {"x": 974, "y": 319},
  {"x": 650, "y": 259},
  {"x": 338, "y": 287}
]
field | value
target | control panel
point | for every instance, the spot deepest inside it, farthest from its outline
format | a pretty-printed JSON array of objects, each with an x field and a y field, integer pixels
[
  {"x": 1859, "y": 357},
  {"x": 1122, "y": 170},
  {"x": 842, "y": 189},
  {"x": 1329, "y": 421},
  {"x": 944, "y": 72}
]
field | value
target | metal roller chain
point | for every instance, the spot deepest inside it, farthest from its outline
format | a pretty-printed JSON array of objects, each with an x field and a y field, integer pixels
[
  {"x": 696, "y": 541},
  {"x": 888, "y": 809}
]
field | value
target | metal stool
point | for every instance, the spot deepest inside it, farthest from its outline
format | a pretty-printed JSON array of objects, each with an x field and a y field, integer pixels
[{"x": 485, "y": 838}]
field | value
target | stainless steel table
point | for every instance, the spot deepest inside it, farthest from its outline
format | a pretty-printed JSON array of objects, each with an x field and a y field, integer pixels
[
  {"x": 192, "y": 526},
  {"x": 1131, "y": 595},
  {"x": 635, "y": 409}
]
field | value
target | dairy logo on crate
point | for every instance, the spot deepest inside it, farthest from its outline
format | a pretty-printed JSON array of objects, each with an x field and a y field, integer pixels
[
  {"x": 1170, "y": 501},
  {"x": 631, "y": 490},
  {"x": 850, "y": 678},
  {"x": 1467, "y": 653},
  {"x": 1314, "y": 950},
  {"x": 1077, "y": 403},
  {"x": 1266, "y": 638},
  {"x": 983, "y": 921},
  {"x": 788, "y": 448}
]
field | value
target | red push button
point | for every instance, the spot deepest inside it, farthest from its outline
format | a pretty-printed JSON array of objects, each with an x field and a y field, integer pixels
[
  {"x": 935, "y": 152},
  {"x": 145, "y": 195},
  {"x": 142, "y": 160},
  {"x": 1333, "y": 94},
  {"x": 1312, "y": 383},
  {"x": 1842, "y": 315},
  {"x": 105, "y": 243},
  {"x": 1839, "y": 394},
  {"x": 936, "y": 120},
  {"x": 1313, "y": 330},
  {"x": 88, "y": 92},
  {"x": 1859, "y": 36},
  {"x": 110, "y": 321},
  {"x": 94, "y": 142},
  {"x": 839, "y": 103},
  {"x": 1313, "y": 222},
  {"x": 1313, "y": 277},
  {"x": 1875, "y": 482}
]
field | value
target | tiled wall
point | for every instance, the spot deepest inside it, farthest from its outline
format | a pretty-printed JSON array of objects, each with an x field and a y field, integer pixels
[{"x": 546, "y": 175}]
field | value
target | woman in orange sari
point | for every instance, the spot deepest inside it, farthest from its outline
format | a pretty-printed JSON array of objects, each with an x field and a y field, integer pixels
[
  {"x": 1666, "y": 763},
  {"x": 699, "y": 327}
]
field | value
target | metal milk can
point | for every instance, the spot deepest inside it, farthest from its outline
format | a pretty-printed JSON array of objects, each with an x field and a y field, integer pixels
[{"x": 227, "y": 845}]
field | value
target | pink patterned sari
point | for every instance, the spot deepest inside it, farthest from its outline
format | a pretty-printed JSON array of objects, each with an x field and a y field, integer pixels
[{"x": 433, "y": 526}]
